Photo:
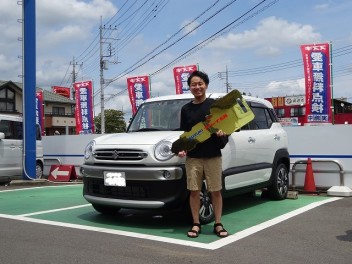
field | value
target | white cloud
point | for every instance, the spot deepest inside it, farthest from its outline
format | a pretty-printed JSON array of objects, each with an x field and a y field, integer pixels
[
  {"x": 322, "y": 6},
  {"x": 189, "y": 26},
  {"x": 285, "y": 88},
  {"x": 269, "y": 37},
  {"x": 57, "y": 12}
]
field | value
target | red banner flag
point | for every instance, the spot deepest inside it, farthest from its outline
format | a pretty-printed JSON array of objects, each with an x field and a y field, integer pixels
[
  {"x": 181, "y": 75},
  {"x": 64, "y": 91},
  {"x": 39, "y": 110},
  {"x": 316, "y": 61},
  {"x": 138, "y": 90},
  {"x": 84, "y": 107}
]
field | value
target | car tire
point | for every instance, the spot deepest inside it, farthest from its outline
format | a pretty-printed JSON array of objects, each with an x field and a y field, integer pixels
[
  {"x": 39, "y": 170},
  {"x": 106, "y": 210},
  {"x": 206, "y": 211},
  {"x": 280, "y": 183}
]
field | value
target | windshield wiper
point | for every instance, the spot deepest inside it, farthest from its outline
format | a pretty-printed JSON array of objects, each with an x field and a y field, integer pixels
[{"x": 147, "y": 129}]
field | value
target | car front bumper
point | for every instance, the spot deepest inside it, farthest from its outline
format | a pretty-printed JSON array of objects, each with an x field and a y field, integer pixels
[{"x": 146, "y": 187}]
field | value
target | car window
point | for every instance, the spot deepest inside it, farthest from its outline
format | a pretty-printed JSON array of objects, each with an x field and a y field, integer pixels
[
  {"x": 262, "y": 119},
  {"x": 6, "y": 128},
  {"x": 38, "y": 134},
  {"x": 160, "y": 115},
  {"x": 18, "y": 130}
]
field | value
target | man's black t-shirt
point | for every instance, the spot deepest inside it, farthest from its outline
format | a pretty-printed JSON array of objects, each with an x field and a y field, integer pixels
[{"x": 192, "y": 114}]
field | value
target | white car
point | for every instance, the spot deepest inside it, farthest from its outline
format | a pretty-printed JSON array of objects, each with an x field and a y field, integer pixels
[
  {"x": 11, "y": 148},
  {"x": 137, "y": 169}
]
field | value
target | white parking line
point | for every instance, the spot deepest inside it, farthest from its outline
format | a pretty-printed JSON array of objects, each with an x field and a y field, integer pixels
[
  {"x": 56, "y": 210},
  {"x": 41, "y": 187},
  {"x": 212, "y": 246}
]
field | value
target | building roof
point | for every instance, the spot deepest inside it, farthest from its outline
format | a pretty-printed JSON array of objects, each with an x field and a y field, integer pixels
[{"x": 48, "y": 96}]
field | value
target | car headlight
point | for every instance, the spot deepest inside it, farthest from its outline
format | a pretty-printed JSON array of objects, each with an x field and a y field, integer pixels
[
  {"x": 88, "y": 151},
  {"x": 162, "y": 150}
]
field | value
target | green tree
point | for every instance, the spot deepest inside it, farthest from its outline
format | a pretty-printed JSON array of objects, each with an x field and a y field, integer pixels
[{"x": 114, "y": 121}]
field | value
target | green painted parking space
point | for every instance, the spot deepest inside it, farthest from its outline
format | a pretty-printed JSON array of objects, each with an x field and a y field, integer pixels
[
  {"x": 240, "y": 213},
  {"x": 29, "y": 200}
]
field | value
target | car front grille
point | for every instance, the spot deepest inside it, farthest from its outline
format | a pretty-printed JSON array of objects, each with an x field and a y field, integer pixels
[
  {"x": 119, "y": 154},
  {"x": 96, "y": 187},
  {"x": 137, "y": 190}
]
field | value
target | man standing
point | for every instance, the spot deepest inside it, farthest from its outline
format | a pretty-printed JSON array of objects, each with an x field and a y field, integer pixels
[{"x": 205, "y": 159}]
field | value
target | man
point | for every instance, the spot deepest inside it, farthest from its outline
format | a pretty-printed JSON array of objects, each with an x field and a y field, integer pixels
[{"x": 205, "y": 158}]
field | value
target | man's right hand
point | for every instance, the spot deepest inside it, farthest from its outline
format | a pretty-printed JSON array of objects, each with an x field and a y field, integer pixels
[{"x": 182, "y": 154}]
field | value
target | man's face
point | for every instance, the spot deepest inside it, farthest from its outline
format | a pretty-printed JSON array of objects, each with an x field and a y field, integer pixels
[{"x": 198, "y": 87}]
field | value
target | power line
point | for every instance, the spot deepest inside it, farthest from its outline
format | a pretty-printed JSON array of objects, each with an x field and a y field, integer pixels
[{"x": 205, "y": 42}]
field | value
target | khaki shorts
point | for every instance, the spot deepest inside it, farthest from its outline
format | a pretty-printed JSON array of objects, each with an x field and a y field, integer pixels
[{"x": 209, "y": 168}]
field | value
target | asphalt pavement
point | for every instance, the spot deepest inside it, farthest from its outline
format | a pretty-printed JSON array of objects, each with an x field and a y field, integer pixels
[{"x": 320, "y": 235}]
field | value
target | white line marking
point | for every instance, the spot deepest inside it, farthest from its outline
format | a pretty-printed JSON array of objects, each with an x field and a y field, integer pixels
[
  {"x": 56, "y": 210},
  {"x": 254, "y": 229},
  {"x": 41, "y": 187},
  {"x": 212, "y": 246}
]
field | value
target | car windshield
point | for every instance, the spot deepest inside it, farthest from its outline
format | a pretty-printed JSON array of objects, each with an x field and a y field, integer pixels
[{"x": 158, "y": 116}]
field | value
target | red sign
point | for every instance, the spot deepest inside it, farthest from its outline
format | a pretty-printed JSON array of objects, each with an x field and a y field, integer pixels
[
  {"x": 64, "y": 91},
  {"x": 181, "y": 75},
  {"x": 62, "y": 173},
  {"x": 316, "y": 61},
  {"x": 84, "y": 107},
  {"x": 39, "y": 110},
  {"x": 138, "y": 90}
]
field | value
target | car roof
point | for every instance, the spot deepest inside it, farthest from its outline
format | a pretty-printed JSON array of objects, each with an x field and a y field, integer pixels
[
  {"x": 10, "y": 117},
  {"x": 209, "y": 95}
]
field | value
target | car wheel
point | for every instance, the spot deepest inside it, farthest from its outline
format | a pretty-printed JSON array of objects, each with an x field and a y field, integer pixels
[
  {"x": 39, "y": 170},
  {"x": 206, "y": 211},
  {"x": 279, "y": 187},
  {"x": 106, "y": 210}
]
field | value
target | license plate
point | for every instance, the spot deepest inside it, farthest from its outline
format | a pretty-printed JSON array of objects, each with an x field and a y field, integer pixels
[{"x": 115, "y": 179}]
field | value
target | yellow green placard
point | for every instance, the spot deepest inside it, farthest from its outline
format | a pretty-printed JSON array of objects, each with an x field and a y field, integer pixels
[{"x": 228, "y": 113}]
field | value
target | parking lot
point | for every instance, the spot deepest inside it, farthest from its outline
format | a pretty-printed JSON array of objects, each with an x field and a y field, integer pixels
[{"x": 64, "y": 206}]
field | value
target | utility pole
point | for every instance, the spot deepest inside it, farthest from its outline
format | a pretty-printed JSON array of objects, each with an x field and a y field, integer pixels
[
  {"x": 104, "y": 66},
  {"x": 73, "y": 63},
  {"x": 102, "y": 78},
  {"x": 227, "y": 80},
  {"x": 220, "y": 74}
]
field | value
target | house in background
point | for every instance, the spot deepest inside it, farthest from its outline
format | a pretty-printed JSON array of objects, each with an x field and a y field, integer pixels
[{"x": 59, "y": 111}]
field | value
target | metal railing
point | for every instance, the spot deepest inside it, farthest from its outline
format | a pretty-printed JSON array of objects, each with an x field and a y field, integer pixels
[{"x": 299, "y": 162}]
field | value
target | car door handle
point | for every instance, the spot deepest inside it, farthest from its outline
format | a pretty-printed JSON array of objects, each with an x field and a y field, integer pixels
[
  {"x": 251, "y": 140},
  {"x": 277, "y": 137}
]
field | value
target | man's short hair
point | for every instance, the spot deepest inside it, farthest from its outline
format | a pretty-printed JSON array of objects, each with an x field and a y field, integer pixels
[{"x": 199, "y": 74}]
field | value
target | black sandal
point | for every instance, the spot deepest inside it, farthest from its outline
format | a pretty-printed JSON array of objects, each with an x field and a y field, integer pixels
[
  {"x": 194, "y": 233},
  {"x": 222, "y": 230}
]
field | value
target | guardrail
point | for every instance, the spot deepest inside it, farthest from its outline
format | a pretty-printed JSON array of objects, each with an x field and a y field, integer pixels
[{"x": 299, "y": 162}]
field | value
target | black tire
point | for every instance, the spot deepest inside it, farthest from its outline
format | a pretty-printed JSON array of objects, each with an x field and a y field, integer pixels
[
  {"x": 39, "y": 170},
  {"x": 206, "y": 211},
  {"x": 280, "y": 183},
  {"x": 105, "y": 210}
]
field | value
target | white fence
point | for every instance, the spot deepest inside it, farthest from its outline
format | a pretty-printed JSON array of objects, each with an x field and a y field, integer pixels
[{"x": 329, "y": 142}]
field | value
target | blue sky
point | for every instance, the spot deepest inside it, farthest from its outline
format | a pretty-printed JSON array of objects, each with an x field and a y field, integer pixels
[{"x": 260, "y": 50}]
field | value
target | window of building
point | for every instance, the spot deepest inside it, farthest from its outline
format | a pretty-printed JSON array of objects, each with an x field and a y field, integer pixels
[
  {"x": 298, "y": 111},
  {"x": 7, "y": 100},
  {"x": 58, "y": 110},
  {"x": 280, "y": 112}
]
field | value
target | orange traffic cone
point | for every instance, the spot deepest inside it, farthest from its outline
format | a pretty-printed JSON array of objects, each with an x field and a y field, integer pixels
[{"x": 309, "y": 183}]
